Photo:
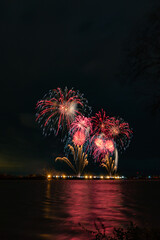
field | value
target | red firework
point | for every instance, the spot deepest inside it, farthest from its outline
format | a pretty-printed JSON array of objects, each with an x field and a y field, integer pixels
[
  {"x": 99, "y": 122},
  {"x": 79, "y": 138},
  {"x": 81, "y": 123},
  {"x": 119, "y": 130},
  {"x": 59, "y": 108}
]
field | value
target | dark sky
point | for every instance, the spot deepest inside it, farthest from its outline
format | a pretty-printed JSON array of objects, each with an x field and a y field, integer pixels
[{"x": 80, "y": 44}]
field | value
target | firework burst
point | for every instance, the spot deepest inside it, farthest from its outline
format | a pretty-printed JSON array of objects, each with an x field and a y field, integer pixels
[
  {"x": 58, "y": 109},
  {"x": 101, "y": 146},
  {"x": 119, "y": 131},
  {"x": 79, "y": 138},
  {"x": 82, "y": 124},
  {"x": 99, "y": 122}
]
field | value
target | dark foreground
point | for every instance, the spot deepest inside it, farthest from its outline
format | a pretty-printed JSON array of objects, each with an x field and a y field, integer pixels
[
  {"x": 41, "y": 209},
  {"x": 129, "y": 232}
]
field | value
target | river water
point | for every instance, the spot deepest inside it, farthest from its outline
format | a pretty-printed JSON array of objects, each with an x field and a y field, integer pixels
[{"x": 51, "y": 210}]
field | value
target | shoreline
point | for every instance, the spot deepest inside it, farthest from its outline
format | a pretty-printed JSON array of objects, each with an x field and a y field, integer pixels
[{"x": 82, "y": 178}]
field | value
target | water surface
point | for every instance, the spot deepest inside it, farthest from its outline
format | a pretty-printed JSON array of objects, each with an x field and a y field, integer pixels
[{"x": 51, "y": 210}]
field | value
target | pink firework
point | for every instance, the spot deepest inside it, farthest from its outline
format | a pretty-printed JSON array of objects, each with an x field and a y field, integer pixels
[
  {"x": 119, "y": 130},
  {"x": 99, "y": 122},
  {"x": 79, "y": 138},
  {"x": 101, "y": 146},
  {"x": 59, "y": 108},
  {"x": 82, "y": 124},
  {"x": 109, "y": 144}
]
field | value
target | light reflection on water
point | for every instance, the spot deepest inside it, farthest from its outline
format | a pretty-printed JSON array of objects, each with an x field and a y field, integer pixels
[{"x": 52, "y": 209}]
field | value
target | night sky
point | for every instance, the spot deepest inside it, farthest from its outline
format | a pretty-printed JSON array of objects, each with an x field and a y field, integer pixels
[{"x": 80, "y": 44}]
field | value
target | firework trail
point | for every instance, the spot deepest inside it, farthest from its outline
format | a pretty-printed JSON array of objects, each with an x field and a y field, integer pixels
[
  {"x": 110, "y": 165},
  {"x": 77, "y": 150},
  {"x": 58, "y": 109},
  {"x": 116, "y": 159}
]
